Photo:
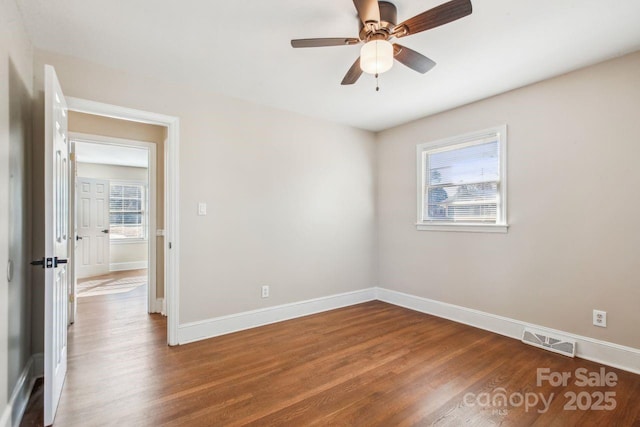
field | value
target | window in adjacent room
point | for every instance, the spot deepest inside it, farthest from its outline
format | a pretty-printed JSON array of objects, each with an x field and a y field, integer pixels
[
  {"x": 127, "y": 212},
  {"x": 462, "y": 182}
]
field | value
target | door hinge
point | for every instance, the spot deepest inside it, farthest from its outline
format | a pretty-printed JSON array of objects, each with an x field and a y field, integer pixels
[{"x": 71, "y": 298}]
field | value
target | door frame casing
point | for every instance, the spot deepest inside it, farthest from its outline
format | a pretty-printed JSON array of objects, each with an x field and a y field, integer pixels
[
  {"x": 73, "y": 300},
  {"x": 171, "y": 195},
  {"x": 152, "y": 302}
]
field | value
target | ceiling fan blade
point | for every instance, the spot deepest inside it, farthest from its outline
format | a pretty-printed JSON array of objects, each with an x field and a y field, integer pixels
[
  {"x": 345, "y": 41},
  {"x": 412, "y": 59},
  {"x": 439, "y": 15},
  {"x": 368, "y": 11},
  {"x": 353, "y": 74}
]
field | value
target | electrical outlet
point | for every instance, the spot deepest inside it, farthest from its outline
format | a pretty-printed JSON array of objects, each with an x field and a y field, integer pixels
[
  {"x": 265, "y": 291},
  {"x": 600, "y": 318}
]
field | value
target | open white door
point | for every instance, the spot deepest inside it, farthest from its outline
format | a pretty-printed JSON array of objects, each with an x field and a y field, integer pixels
[
  {"x": 92, "y": 197},
  {"x": 56, "y": 153}
]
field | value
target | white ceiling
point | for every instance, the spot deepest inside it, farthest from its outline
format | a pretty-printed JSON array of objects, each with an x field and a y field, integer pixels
[
  {"x": 241, "y": 48},
  {"x": 87, "y": 152}
]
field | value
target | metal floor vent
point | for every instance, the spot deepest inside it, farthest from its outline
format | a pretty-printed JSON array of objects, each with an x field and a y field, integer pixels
[{"x": 548, "y": 342}]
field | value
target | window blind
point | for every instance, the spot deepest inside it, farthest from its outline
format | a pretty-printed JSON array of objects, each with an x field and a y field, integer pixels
[
  {"x": 126, "y": 212},
  {"x": 462, "y": 182}
]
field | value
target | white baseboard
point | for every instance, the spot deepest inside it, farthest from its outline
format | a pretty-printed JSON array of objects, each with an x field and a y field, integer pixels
[
  {"x": 157, "y": 306},
  {"x": 5, "y": 418},
  {"x": 122, "y": 266},
  {"x": 606, "y": 353},
  {"x": 38, "y": 365},
  {"x": 14, "y": 410},
  {"x": 196, "y": 331}
]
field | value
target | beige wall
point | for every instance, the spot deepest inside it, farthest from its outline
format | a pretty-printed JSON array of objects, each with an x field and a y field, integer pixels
[
  {"x": 106, "y": 126},
  {"x": 120, "y": 252},
  {"x": 16, "y": 89},
  {"x": 574, "y": 240},
  {"x": 291, "y": 199},
  {"x": 115, "y": 128},
  {"x": 113, "y": 172}
]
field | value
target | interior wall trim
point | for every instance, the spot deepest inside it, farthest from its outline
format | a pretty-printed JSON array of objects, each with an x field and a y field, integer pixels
[
  {"x": 14, "y": 411},
  {"x": 5, "y": 418},
  {"x": 159, "y": 307},
  {"x": 131, "y": 265}
]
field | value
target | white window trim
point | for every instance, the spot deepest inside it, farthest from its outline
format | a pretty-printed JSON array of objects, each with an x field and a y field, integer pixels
[
  {"x": 501, "y": 225},
  {"x": 146, "y": 213}
]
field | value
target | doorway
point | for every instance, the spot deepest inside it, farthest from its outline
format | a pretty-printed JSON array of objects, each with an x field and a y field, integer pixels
[
  {"x": 170, "y": 162},
  {"x": 113, "y": 215}
]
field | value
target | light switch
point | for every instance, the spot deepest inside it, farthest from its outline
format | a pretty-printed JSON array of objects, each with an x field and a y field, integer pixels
[{"x": 202, "y": 208}]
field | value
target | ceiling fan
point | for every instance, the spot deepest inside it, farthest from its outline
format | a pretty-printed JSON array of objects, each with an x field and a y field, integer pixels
[{"x": 378, "y": 26}]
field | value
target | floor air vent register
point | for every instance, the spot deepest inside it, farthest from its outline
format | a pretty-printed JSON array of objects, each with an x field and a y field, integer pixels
[{"x": 556, "y": 344}]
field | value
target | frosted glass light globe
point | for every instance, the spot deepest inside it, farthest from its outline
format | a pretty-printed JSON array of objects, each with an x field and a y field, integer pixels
[{"x": 376, "y": 57}]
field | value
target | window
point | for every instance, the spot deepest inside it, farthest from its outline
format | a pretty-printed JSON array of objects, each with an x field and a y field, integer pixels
[
  {"x": 462, "y": 182},
  {"x": 127, "y": 212}
]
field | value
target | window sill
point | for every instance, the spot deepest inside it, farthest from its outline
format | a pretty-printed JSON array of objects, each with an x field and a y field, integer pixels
[{"x": 473, "y": 228}]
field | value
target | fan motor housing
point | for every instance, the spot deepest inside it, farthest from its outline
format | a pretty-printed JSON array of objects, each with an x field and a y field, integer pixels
[{"x": 388, "y": 20}]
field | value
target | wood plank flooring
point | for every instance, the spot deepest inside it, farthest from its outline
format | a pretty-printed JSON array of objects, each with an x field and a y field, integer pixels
[
  {"x": 373, "y": 364},
  {"x": 112, "y": 283}
]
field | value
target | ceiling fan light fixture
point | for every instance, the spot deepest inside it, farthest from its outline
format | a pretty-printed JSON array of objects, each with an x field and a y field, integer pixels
[{"x": 376, "y": 57}]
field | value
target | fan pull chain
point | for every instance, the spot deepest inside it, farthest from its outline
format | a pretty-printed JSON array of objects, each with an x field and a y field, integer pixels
[{"x": 377, "y": 63}]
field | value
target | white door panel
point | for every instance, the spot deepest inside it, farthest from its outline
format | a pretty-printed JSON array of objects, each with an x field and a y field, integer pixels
[
  {"x": 56, "y": 152},
  {"x": 93, "y": 220}
]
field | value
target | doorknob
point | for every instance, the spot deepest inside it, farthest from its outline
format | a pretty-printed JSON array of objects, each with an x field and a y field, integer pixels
[
  {"x": 78, "y": 237},
  {"x": 57, "y": 261},
  {"x": 49, "y": 262},
  {"x": 105, "y": 231},
  {"x": 42, "y": 262}
]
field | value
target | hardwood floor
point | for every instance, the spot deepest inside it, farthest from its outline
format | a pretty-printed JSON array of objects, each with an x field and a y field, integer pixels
[
  {"x": 111, "y": 283},
  {"x": 370, "y": 364}
]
